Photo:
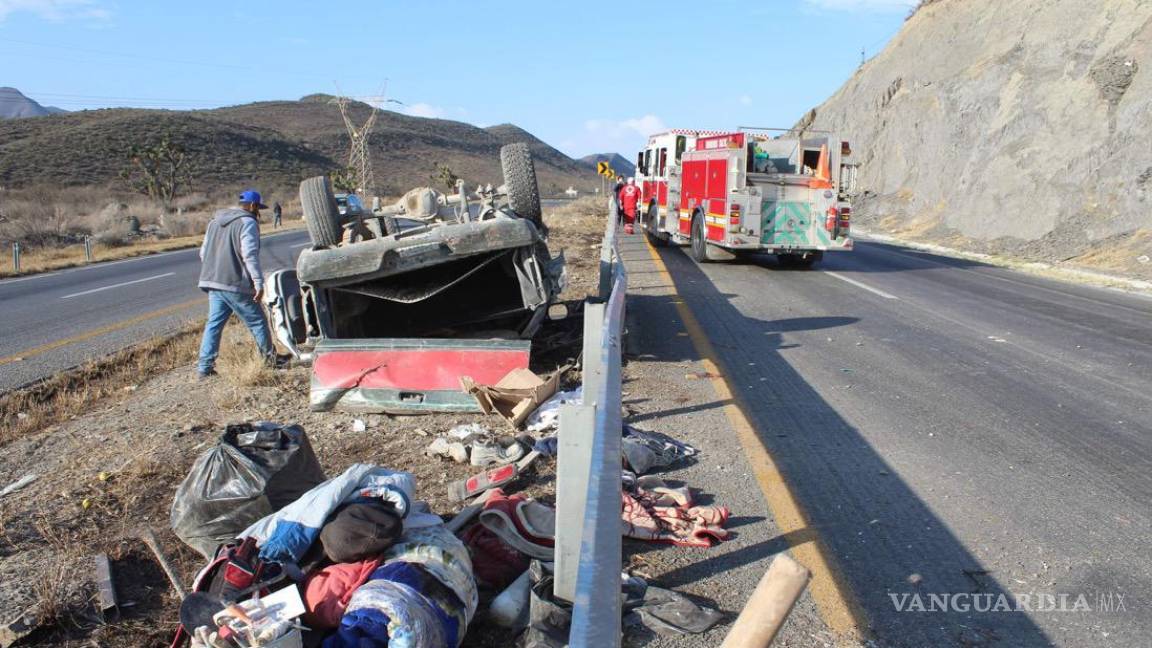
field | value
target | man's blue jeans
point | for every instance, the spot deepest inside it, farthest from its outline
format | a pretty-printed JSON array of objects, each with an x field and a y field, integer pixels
[{"x": 221, "y": 305}]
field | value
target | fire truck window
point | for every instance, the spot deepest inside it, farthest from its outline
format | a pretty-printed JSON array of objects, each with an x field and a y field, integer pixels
[
  {"x": 681, "y": 145},
  {"x": 663, "y": 161},
  {"x": 811, "y": 161},
  {"x": 640, "y": 162}
]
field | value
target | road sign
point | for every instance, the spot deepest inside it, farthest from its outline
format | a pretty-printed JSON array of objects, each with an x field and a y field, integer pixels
[{"x": 603, "y": 169}]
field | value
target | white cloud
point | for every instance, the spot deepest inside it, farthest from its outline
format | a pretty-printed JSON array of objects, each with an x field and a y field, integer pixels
[
  {"x": 864, "y": 5},
  {"x": 424, "y": 110},
  {"x": 745, "y": 100},
  {"x": 624, "y": 136},
  {"x": 55, "y": 9}
]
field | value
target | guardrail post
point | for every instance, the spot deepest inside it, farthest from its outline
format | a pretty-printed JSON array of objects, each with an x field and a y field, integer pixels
[
  {"x": 16, "y": 258},
  {"x": 88, "y": 249},
  {"x": 574, "y": 458},
  {"x": 573, "y": 463}
]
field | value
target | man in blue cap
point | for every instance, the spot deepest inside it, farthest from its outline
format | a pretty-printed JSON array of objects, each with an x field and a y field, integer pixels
[{"x": 232, "y": 278}]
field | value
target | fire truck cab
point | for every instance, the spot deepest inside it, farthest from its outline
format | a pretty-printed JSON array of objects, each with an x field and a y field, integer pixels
[{"x": 742, "y": 192}]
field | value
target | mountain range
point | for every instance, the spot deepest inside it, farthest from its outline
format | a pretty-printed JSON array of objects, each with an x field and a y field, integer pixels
[
  {"x": 270, "y": 143},
  {"x": 13, "y": 104}
]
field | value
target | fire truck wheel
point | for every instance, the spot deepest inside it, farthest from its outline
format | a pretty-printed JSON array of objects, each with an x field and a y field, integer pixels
[
  {"x": 520, "y": 180},
  {"x": 657, "y": 240},
  {"x": 699, "y": 247},
  {"x": 321, "y": 214}
]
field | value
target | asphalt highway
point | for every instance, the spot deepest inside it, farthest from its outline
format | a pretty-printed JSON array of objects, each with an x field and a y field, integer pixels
[
  {"x": 57, "y": 320},
  {"x": 946, "y": 427}
]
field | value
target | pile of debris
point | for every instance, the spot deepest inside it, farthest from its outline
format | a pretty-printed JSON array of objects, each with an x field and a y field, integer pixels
[{"x": 297, "y": 558}]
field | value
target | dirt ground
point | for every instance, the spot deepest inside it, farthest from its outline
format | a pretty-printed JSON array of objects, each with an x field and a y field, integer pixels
[{"x": 106, "y": 474}]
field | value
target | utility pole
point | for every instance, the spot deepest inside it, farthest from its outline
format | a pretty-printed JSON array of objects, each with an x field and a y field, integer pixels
[{"x": 359, "y": 159}]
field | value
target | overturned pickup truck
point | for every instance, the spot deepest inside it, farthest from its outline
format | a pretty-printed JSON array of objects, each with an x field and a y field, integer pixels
[{"x": 393, "y": 307}]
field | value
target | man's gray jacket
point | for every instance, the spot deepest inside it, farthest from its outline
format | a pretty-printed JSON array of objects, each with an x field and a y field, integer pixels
[{"x": 231, "y": 253}]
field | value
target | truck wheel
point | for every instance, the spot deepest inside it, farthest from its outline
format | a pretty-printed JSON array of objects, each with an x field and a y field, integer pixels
[
  {"x": 520, "y": 180},
  {"x": 699, "y": 247},
  {"x": 320, "y": 211},
  {"x": 656, "y": 239}
]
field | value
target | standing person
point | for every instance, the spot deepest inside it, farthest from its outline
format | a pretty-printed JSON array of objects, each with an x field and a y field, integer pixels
[
  {"x": 276, "y": 213},
  {"x": 629, "y": 200},
  {"x": 232, "y": 278},
  {"x": 616, "y": 193}
]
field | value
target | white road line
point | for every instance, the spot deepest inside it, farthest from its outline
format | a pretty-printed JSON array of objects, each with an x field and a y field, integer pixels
[
  {"x": 35, "y": 276},
  {"x": 875, "y": 291},
  {"x": 126, "y": 283},
  {"x": 301, "y": 245}
]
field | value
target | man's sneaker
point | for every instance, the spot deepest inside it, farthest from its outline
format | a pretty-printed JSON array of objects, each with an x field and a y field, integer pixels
[
  {"x": 486, "y": 452},
  {"x": 206, "y": 375}
]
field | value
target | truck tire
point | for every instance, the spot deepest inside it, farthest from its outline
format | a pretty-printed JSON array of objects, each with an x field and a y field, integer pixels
[
  {"x": 699, "y": 247},
  {"x": 701, "y": 251},
  {"x": 657, "y": 240},
  {"x": 321, "y": 214},
  {"x": 520, "y": 180}
]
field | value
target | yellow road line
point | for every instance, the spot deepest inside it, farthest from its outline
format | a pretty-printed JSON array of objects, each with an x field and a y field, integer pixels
[
  {"x": 51, "y": 346},
  {"x": 834, "y": 599}
]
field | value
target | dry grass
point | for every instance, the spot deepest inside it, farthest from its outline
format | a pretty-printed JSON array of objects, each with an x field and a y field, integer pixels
[
  {"x": 71, "y": 393},
  {"x": 59, "y": 258},
  {"x": 121, "y": 225},
  {"x": 66, "y": 395}
]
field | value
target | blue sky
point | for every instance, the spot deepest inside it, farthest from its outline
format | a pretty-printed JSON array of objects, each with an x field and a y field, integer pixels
[{"x": 585, "y": 77}]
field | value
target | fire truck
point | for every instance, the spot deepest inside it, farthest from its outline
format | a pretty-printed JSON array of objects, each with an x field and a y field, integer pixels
[{"x": 732, "y": 193}]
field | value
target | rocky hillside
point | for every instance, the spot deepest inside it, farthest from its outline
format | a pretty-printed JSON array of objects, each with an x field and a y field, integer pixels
[
  {"x": 267, "y": 144},
  {"x": 1015, "y": 127},
  {"x": 14, "y": 105}
]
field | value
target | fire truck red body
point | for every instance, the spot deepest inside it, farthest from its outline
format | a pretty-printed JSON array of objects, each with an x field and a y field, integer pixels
[{"x": 726, "y": 193}]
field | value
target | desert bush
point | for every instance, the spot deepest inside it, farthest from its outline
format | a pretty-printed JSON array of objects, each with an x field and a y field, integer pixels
[
  {"x": 38, "y": 224},
  {"x": 188, "y": 224},
  {"x": 192, "y": 202},
  {"x": 111, "y": 239}
]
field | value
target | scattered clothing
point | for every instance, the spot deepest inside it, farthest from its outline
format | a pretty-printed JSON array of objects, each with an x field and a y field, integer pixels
[
  {"x": 287, "y": 534},
  {"x": 509, "y": 531},
  {"x": 383, "y": 614},
  {"x": 446, "y": 558},
  {"x": 360, "y": 530},
  {"x": 644, "y": 451},
  {"x": 328, "y": 591},
  {"x": 548, "y": 446},
  {"x": 658, "y": 513},
  {"x": 666, "y": 612},
  {"x": 547, "y": 416}
]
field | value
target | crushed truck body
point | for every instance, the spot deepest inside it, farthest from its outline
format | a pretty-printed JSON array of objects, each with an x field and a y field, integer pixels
[{"x": 394, "y": 308}]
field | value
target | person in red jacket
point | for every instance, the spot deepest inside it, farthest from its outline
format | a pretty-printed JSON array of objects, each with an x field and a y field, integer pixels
[{"x": 629, "y": 199}]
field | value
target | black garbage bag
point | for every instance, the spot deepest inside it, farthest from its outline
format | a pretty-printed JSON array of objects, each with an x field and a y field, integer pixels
[{"x": 255, "y": 470}]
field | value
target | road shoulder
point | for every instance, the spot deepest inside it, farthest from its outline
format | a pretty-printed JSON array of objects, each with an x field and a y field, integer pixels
[{"x": 671, "y": 387}]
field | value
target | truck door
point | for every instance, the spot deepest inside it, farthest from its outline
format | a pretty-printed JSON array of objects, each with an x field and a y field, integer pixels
[{"x": 787, "y": 216}]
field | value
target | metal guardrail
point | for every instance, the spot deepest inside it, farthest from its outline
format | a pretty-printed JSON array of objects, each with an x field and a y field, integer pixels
[{"x": 588, "y": 526}]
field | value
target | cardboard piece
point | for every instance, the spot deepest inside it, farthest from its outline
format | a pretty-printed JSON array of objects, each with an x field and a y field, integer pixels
[{"x": 516, "y": 396}]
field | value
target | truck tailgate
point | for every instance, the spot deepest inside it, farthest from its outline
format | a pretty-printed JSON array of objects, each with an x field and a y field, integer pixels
[{"x": 408, "y": 375}]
